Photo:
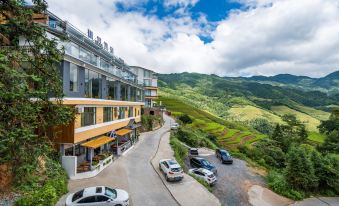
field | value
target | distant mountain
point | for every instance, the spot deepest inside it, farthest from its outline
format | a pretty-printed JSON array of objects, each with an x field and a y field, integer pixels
[
  {"x": 328, "y": 84},
  {"x": 329, "y": 81},
  {"x": 282, "y": 78}
]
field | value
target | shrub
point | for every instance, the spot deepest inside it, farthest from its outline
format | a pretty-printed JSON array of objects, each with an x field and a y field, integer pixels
[
  {"x": 180, "y": 151},
  {"x": 300, "y": 170},
  {"x": 185, "y": 119},
  {"x": 277, "y": 182}
]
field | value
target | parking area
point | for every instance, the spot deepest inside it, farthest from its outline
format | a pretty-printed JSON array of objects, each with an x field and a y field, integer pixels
[{"x": 234, "y": 180}]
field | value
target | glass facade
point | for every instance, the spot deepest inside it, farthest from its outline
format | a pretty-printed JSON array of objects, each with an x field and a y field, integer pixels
[
  {"x": 88, "y": 117},
  {"x": 147, "y": 82},
  {"x": 78, "y": 52},
  {"x": 111, "y": 87},
  {"x": 123, "y": 92},
  {"x": 92, "y": 84},
  {"x": 108, "y": 114},
  {"x": 73, "y": 78}
]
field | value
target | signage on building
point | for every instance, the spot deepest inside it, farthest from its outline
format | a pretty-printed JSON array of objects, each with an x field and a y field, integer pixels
[{"x": 90, "y": 34}]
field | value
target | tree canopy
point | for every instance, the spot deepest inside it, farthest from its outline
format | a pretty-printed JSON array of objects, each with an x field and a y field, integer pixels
[{"x": 29, "y": 77}]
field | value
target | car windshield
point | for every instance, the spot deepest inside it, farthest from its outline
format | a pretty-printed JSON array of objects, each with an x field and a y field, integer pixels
[
  {"x": 205, "y": 163},
  {"x": 178, "y": 169},
  {"x": 112, "y": 193},
  {"x": 172, "y": 162},
  {"x": 225, "y": 153},
  {"x": 77, "y": 195}
]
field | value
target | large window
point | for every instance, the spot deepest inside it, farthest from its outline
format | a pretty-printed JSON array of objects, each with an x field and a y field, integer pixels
[
  {"x": 92, "y": 84},
  {"x": 123, "y": 92},
  {"x": 108, "y": 114},
  {"x": 133, "y": 94},
  {"x": 111, "y": 88},
  {"x": 73, "y": 78},
  {"x": 147, "y": 74},
  {"x": 88, "y": 116},
  {"x": 130, "y": 111}
]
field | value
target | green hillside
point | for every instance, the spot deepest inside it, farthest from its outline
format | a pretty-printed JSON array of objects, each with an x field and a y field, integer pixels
[
  {"x": 229, "y": 135},
  {"x": 241, "y": 101}
]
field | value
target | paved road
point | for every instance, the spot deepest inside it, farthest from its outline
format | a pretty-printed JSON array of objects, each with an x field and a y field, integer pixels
[{"x": 134, "y": 173}]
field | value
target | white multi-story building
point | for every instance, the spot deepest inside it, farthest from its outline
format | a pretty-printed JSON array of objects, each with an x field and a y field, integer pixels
[{"x": 150, "y": 81}]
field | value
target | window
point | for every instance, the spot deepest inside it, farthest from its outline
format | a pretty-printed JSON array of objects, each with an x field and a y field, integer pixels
[
  {"x": 122, "y": 112},
  {"x": 115, "y": 112},
  {"x": 111, "y": 88},
  {"x": 101, "y": 198},
  {"x": 73, "y": 78},
  {"x": 123, "y": 92},
  {"x": 147, "y": 82},
  {"x": 130, "y": 112},
  {"x": 110, "y": 192},
  {"x": 108, "y": 114},
  {"x": 88, "y": 199},
  {"x": 147, "y": 74},
  {"x": 92, "y": 84},
  {"x": 88, "y": 116},
  {"x": 77, "y": 195}
]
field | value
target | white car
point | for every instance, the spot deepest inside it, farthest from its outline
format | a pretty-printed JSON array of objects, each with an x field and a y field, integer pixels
[
  {"x": 204, "y": 174},
  {"x": 99, "y": 195},
  {"x": 174, "y": 126},
  {"x": 171, "y": 170}
]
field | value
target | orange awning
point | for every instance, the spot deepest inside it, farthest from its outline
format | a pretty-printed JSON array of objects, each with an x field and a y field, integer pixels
[
  {"x": 122, "y": 132},
  {"x": 97, "y": 142}
]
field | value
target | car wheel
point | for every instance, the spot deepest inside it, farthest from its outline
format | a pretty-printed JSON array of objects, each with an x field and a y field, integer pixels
[
  {"x": 118, "y": 205},
  {"x": 166, "y": 177},
  {"x": 160, "y": 167}
]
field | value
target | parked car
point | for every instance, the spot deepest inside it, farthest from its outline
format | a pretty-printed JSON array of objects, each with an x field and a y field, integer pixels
[
  {"x": 171, "y": 169},
  {"x": 204, "y": 174},
  {"x": 193, "y": 152},
  {"x": 99, "y": 195},
  {"x": 224, "y": 156},
  {"x": 174, "y": 126},
  {"x": 198, "y": 162}
]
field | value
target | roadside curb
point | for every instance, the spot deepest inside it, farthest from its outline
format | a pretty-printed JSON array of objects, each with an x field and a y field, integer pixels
[{"x": 152, "y": 158}]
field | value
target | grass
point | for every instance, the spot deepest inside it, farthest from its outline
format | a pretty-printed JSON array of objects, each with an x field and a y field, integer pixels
[
  {"x": 316, "y": 137},
  {"x": 310, "y": 122},
  {"x": 210, "y": 124},
  {"x": 248, "y": 112},
  {"x": 318, "y": 114}
]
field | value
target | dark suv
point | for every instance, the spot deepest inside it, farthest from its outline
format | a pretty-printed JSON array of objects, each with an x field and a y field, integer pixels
[
  {"x": 199, "y": 162},
  {"x": 224, "y": 156}
]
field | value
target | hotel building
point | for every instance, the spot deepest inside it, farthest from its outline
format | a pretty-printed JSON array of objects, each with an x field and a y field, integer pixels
[{"x": 107, "y": 97}]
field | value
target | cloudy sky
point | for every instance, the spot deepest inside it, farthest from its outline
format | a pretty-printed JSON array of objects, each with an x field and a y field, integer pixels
[{"x": 223, "y": 37}]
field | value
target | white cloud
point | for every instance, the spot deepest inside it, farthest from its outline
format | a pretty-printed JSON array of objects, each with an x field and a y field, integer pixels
[{"x": 269, "y": 37}]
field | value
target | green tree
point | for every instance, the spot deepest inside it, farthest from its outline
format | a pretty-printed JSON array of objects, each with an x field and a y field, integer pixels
[
  {"x": 331, "y": 143},
  {"x": 262, "y": 125},
  {"x": 185, "y": 119},
  {"x": 28, "y": 77},
  {"x": 300, "y": 172}
]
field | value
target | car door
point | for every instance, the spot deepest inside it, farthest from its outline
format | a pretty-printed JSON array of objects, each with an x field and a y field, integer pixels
[{"x": 199, "y": 174}]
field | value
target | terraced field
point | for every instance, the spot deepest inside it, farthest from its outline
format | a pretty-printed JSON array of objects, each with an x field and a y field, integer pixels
[
  {"x": 310, "y": 122},
  {"x": 230, "y": 135}
]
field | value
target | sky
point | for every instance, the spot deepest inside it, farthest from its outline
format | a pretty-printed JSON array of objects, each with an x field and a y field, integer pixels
[{"x": 223, "y": 37}]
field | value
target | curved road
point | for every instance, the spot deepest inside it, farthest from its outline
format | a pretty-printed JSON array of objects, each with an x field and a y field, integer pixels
[{"x": 134, "y": 173}]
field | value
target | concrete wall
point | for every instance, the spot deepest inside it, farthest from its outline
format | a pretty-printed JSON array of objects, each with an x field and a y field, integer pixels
[{"x": 69, "y": 163}]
